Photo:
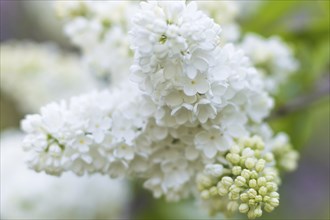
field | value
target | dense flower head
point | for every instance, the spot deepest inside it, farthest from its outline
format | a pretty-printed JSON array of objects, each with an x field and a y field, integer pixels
[{"x": 190, "y": 112}]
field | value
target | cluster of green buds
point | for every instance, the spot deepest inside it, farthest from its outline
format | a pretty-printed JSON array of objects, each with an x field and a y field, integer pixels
[{"x": 248, "y": 183}]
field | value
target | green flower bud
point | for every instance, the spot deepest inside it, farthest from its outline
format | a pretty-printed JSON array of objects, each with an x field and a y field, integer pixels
[
  {"x": 258, "y": 198},
  {"x": 243, "y": 208},
  {"x": 252, "y": 202},
  {"x": 274, "y": 202},
  {"x": 244, "y": 197},
  {"x": 258, "y": 211},
  {"x": 227, "y": 181},
  {"x": 251, "y": 214},
  {"x": 250, "y": 163},
  {"x": 266, "y": 198},
  {"x": 262, "y": 190},
  {"x": 233, "y": 158},
  {"x": 268, "y": 208},
  {"x": 222, "y": 190},
  {"x": 274, "y": 195},
  {"x": 271, "y": 186},
  {"x": 236, "y": 170},
  {"x": 262, "y": 181},
  {"x": 260, "y": 165},
  {"x": 253, "y": 183},
  {"x": 254, "y": 175},
  {"x": 246, "y": 174},
  {"x": 240, "y": 181},
  {"x": 252, "y": 193},
  {"x": 233, "y": 196}
]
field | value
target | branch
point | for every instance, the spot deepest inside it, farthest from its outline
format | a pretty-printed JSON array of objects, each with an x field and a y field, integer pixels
[{"x": 321, "y": 89}]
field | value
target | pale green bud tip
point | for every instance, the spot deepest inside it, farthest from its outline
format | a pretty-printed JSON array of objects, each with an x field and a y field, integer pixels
[
  {"x": 260, "y": 165},
  {"x": 246, "y": 174},
  {"x": 262, "y": 181},
  {"x": 243, "y": 208},
  {"x": 249, "y": 163},
  {"x": 240, "y": 181},
  {"x": 253, "y": 183},
  {"x": 262, "y": 191},
  {"x": 244, "y": 197},
  {"x": 227, "y": 181},
  {"x": 258, "y": 212},
  {"x": 236, "y": 170}
]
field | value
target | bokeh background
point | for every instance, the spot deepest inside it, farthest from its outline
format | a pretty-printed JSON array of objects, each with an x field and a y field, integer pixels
[{"x": 305, "y": 26}]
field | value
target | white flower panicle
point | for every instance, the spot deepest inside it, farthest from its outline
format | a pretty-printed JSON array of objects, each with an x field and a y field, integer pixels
[
  {"x": 28, "y": 195},
  {"x": 43, "y": 71},
  {"x": 74, "y": 135},
  {"x": 104, "y": 25},
  {"x": 195, "y": 99},
  {"x": 272, "y": 57},
  {"x": 247, "y": 183}
]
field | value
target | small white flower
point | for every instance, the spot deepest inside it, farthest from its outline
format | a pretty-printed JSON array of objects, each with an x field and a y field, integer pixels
[{"x": 211, "y": 142}]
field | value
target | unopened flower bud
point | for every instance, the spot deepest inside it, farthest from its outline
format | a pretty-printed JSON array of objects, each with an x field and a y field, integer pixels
[
  {"x": 253, "y": 183},
  {"x": 274, "y": 202},
  {"x": 240, "y": 181},
  {"x": 260, "y": 165},
  {"x": 246, "y": 174},
  {"x": 252, "y": 193},
  {"x": 268, "y": 208},
  {"x": 262, "y": 190},
  {"x": 227, "y": 181},
  {"x": 258, "y": 211},
  {"x": 258, "y": 198},
  {"x": 244, "y": 197},
  {"x": 236, "y": 170},
  {"x": 243, "y": 208},
  {"x": 262, "y": 181},
  {"x": 250, "y": 163}
]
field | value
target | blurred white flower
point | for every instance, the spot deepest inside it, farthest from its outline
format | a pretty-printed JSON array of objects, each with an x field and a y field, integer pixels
[
  {"x": 34, "y": 74},
  {"x": 99, "y": 29},
  {"x": 26, "y": 194},
  {"x": 272, "y": 57}
]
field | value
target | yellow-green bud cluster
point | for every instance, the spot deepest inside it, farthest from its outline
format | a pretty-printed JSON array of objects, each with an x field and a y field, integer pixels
[{"x": 251, "y": 184}]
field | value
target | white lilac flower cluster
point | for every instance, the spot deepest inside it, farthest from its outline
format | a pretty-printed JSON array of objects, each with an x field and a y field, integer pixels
[
  {"x": 104, "y": 25},
  {"x": 272, "y": 57},
  {"x": 192, "y": 100},
  {"x": 43, "y": 71},
  {"x": 28, "y": 195}
]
